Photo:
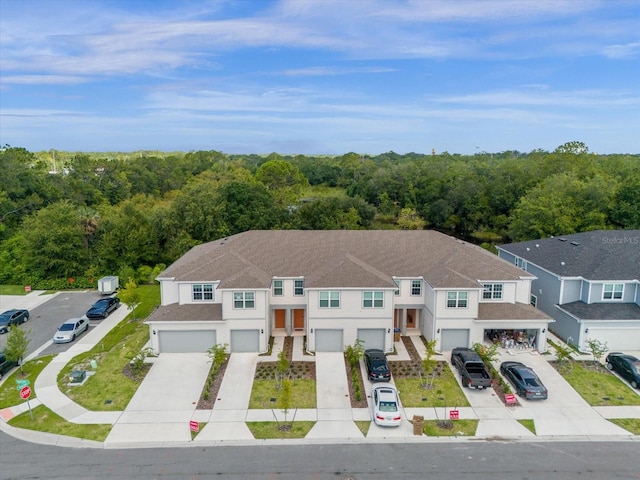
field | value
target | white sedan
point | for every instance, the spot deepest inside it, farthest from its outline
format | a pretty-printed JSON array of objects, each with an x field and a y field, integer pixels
[
  {"x": 70, "y": 329},
  {"x": 386, "y": 405}
]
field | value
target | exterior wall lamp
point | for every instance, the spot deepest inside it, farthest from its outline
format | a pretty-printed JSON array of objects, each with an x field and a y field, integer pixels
[
  {"x": 438, "y": 331},
  {"x": 586, "y": 330}
]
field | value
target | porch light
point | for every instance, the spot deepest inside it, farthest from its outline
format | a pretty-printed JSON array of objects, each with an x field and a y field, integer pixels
[
  {"x": 586, "y": 330},
  {"x": 438, "y": 331}
]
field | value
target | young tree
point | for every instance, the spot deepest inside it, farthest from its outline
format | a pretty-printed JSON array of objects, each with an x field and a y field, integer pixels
[
  {"x": 285, "y": 402},
  {"x": 130, "y": 295},
  {"x": 283, "y": 368},
  {"x": 598, "y": 349},
  {"x": 428, "y": 364},
  {"x": 17, "y": 342}
]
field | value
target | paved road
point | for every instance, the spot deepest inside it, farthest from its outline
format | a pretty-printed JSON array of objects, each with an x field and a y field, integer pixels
[{"x": 394, "y": 461}]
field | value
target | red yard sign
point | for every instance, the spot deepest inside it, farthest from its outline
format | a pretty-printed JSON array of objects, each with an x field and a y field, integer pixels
[
  {"x": 25, "y": 392},
  {"x": 194, "y": 426},
  {"x": 454, "y": 414},
  {"x": 27, "y": 288},
  {"x": 510, "y": 398}
]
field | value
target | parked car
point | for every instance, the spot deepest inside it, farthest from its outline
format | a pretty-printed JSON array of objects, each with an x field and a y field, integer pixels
[
  {"x": 627, "y": 366},
  {"x": 473, "y": 371},
  {"x": 5, "y": 365},
  {"x": 524, "y": 380},
  {"x": 377, "y": 365},
  {"x": 70, "y": 329},
  {"x": 386, "y": 405},
  {"x": 12, "y": 317},
  {"x": 103, "y": 307}
]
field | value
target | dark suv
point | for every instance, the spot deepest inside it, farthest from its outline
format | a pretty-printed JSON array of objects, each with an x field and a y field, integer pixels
[
  {"x": 12, "y": 317},
  {"x": 5, "y": 365},
  {"x": 627, "y": 366}
]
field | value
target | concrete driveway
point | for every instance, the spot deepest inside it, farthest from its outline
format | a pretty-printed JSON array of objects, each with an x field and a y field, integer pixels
[
  {"x": 164, "y": 404},
  {"x": 565, "y": 412}
]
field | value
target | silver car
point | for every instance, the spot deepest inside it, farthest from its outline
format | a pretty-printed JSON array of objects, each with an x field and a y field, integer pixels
[
  {"x": 70, "y": 329},
  {"x": 386, "y": 405}
]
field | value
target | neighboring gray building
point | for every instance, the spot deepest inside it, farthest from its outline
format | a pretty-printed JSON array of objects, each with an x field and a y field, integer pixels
[
  {"x": 588, "y": 282},
  {"x": 336, "y": 286}
]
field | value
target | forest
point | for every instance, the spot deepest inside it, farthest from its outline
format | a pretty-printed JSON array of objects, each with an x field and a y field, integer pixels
[{"x": 67, "y": 219}]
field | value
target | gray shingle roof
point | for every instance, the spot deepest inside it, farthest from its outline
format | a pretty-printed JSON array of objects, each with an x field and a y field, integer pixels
[
  {"x": 341, "y": 258},
  {"x": 186, "y": 313},
  {"x": 603, "y": 311},
  {"x": 510, "y": 311},
  {"x": 595, "y": 255}
]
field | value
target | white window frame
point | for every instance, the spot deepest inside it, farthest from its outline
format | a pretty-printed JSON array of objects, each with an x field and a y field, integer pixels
[
  {"x": 461, "y": 299},
  {"x": 416, "y": 285},
  {"x": 396, "y": 292},
  {"x": 373, "y": 299},
  {"x": 329, "y": 299},
  {"x": 521, "y": 262},
  {"x": 614, "y": 290},
  {"x": 244, "y": 300},
  {"x": 278, "y": 288},
  {"x": 492, "y": 291},
  {"x": 533, "y": 300},
  {"x": 298, "y": 287},
  {"x": 202, "y": 292}
]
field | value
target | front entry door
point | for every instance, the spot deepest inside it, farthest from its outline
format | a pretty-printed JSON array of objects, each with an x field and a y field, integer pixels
[
  {"x": 298, "y": 319},
  {"x": 411, "y": 318},
  {"x": 280, "y": 316}
]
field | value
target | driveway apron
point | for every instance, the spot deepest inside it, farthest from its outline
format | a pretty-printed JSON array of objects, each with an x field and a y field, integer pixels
[
  {"x": 228, "y": 417},
  {"x": 164, "y": 403}
]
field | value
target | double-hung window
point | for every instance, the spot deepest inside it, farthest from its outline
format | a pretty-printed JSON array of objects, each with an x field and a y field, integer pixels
[
  {"x": 492, "y": 291},
  {"x": 457, "y": 299},
  {"x": 298, "y": 287},
  {"x": 330, "y": 299},
  {"x": 244, "y": 300},
  {"x": 396, "y": 292},
  {"x": 612, "y": 291},
  {"x": 373, "y": 299},
  {"x": 416, "y": 287},
  {"x": 278, "y": 289},
  {"x": 202, "y": 292}
]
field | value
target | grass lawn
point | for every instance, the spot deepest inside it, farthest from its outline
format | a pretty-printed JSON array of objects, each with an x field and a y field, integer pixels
[
  {"x": 44, "y": 420},
  {"x": 12, "y": 290},
  {"x": 630, "y": 424},
  {"x": 529, "y": 425},
  {"x": 459, "y": 428},
  {"x": 445, "y": 392},
  {"x": 596, "y": 384},
  {"x": 109, "y": 389},
  {"x": 8, "y": 392},
  {"x": 363, "y": 426},
  {"x": 266, "y": 430},
  {"x": 303, "y": 394}
]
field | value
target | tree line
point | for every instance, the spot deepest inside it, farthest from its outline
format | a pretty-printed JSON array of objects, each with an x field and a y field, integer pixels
[{"x": 72, "y": 217}]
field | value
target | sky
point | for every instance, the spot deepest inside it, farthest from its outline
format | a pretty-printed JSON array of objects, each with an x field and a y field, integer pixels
[{"x": 320, "y": 77}]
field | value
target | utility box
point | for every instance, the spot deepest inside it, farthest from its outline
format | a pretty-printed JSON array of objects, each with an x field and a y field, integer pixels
[
  {"x": 418, "y": 424},
  {"x": 77, "y": 376},
  {"x": 108, "y": 285}
]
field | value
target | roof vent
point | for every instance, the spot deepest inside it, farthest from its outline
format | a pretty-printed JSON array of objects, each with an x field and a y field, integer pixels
[
  {"x": 562, "y": 263},
  {"x": 562, "y": 239},
  {"x": 575, "y": 244},
  {"x": 528, "y": 249},
  {"x": 537, "y": 245}
]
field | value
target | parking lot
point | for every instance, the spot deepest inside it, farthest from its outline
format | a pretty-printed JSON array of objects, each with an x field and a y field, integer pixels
[{"x": 49, "y": 312}]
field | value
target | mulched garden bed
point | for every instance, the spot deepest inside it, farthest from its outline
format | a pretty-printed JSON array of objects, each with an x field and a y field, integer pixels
[
  {"x": 362, "y": 403},
  {"x": 215, "y": 388}
]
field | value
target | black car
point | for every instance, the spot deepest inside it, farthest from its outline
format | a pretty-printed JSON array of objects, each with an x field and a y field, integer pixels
[
  {"x": 5, "y": 365},
  {"x": 103, "y": 307},
  {"x": 12, "y": 317},
  {"x": 627, "y": 366},
  {"x": 524, "y": 380},
  {"x": 377, "y": 365}
]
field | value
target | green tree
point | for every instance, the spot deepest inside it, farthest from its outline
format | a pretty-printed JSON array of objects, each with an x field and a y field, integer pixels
[
  {"x": 54, "y": 243},
  {"x": 597, "y": 349},
  {"x": 409, "y": 219},
  {"x": 429, "y": 364},
  {"x": 130, "y": 295},
  {"x": 17, "y": 342}
]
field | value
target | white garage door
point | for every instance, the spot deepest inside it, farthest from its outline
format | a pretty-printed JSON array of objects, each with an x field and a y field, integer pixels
[
  {"x": 245, "y": 341},
  {"x": 623, "y": 339},
  {"x": 328, "y": 340},
  {"x": 186, "y": 341},
  {"x": 372, "y": 337},
  {"x": 452, "y": 338}
]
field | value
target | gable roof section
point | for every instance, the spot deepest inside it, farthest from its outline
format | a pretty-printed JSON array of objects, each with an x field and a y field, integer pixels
[
  {"x": 595, "y": 255},
  {"x": 341, "y": 258}
]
